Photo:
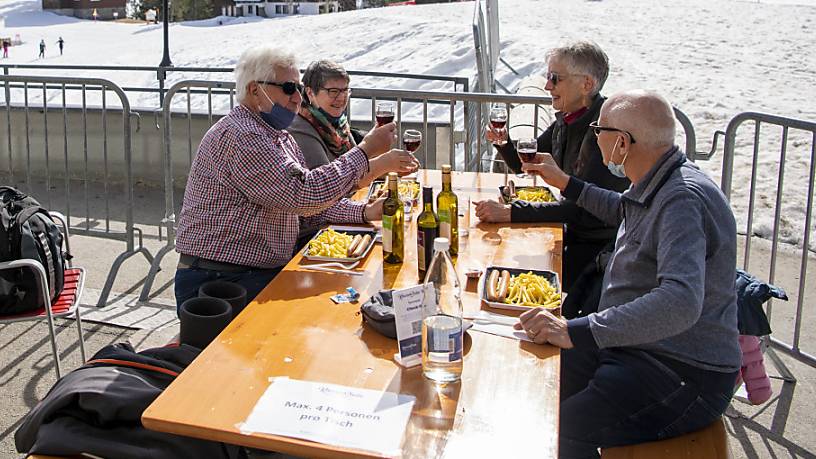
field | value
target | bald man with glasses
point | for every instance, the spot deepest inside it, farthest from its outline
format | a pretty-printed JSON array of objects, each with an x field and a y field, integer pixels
[{"x": 660, "y": 356}]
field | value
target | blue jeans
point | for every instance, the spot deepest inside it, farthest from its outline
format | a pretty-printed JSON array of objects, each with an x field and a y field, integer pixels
[
  {"x": 623, "y": 396},
  {"x": 188, "y": 280}
]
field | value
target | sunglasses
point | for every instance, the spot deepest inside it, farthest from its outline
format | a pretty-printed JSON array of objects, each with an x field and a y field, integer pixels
[
  {"x": 289, "y": 88},
  {"x": 554, "y": 78},
  {"x": 598, "y": 129}
]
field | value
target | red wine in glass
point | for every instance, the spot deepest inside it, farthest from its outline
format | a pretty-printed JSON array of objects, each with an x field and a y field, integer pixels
[
  {"x": 498, "y": 124},
  {"x": 527, "y": 155},
  {"x": 411, "y": 144},
  {"x": 384, "y": 119}
]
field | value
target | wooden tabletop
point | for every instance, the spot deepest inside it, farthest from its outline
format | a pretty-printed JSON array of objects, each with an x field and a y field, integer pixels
[{"x": 506, "y": 404}]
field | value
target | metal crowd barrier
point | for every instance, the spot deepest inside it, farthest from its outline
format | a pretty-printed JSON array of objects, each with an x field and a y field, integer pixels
[
  {"x": 786, "y": 124},
  {"x": 38, "y": 145}
]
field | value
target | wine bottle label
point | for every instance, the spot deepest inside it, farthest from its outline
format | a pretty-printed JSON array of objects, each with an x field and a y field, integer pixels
[
  {"x": 445, "y": 229},
  {"x": 421, "y": 250},
  {"x": 387, "y": 233}
]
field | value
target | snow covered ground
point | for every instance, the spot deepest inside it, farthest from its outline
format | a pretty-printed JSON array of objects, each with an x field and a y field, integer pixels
[{"x": 711, "y": 59}]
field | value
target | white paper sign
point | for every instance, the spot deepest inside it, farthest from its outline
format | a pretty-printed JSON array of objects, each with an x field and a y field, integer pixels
[
  {"x": 411, "y": 305},
  {"x": 335, "y": 415}
]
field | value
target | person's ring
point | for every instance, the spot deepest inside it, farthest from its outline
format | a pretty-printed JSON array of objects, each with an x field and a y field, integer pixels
[{"x": 532, "y": 333}]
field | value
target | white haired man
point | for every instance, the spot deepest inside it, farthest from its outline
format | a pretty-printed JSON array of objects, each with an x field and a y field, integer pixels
[
  {"x": 249, "y": 183},
  {"x": 660, "y": 357}
]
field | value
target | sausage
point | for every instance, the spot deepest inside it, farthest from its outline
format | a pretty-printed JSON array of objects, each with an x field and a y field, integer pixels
[
  {"x": 492, "y": 284},
  {"x": 354, "y": 243},
  {"x": 504, "y": 284},
  {"x": 361, "y": 247}
]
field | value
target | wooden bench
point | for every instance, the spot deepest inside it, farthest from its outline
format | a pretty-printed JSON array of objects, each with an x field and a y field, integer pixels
[{"x": 708, "y": 443}]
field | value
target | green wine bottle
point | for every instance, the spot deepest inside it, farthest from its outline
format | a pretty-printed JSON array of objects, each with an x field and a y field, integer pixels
[
  {"x": 393, "y": 223},
  {"x": 427, "y": 231},
  {"x": 447, "y": 205}
]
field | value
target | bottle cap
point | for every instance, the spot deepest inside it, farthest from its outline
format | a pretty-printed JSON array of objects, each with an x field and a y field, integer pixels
[
  {"x": 393, "y": 176},
  {"x": 446, "y": 169},
  {"x": 441, "y": 244}
]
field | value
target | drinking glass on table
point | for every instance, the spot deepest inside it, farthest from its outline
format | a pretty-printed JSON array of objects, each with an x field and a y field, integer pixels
[
  {"x": 527, "y": 150},
  {"x": 498, "y": 119},
  {"x": 384, "y": 113}
]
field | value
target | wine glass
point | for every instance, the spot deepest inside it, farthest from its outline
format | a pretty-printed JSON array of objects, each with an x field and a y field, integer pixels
[
  {"x": 498, "y": 119},
  {"x": 384, "y": 113},
  {"x": 411, "y": 139},
  {"x": 527, "y": 149},
  {"x": 406, "y": 195}
]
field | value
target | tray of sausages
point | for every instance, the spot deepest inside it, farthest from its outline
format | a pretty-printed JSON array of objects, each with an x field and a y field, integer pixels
[
  {"x": 340, "y": 243},
  {"x": 521, "y": 289}
]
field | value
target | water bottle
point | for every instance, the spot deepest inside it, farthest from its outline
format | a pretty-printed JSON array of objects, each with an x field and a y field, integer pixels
[{"x": 442, "y": 330}]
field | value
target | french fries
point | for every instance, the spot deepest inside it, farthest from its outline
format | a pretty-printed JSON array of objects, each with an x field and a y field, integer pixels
[
  {"x": 525, "y": 289},
  {"x": 404, "y": 188},
  {"x": 335, "y": 244},
  {"x": 534, "y": 195}
]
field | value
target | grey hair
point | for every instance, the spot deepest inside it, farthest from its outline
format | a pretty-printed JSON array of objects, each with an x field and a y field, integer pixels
[
  {"x": 584, "y": 57},
  {"x": 319, "y": 72},
  {"x": 260, "y": 63},
  {"x": 645, "y": 114}
]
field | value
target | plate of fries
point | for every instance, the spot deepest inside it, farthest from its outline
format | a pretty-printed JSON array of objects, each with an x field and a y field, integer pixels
[
  {"x": 407, "y": 186},
  {"x": 340, "y": 243},
  {"x": 521, "y": 289},
  {"x": 529, "y": 194}
]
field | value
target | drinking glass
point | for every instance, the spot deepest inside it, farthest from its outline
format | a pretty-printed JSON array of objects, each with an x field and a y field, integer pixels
[
  {"x": 384, "y": 113},
  {"x": 411, "y": 139},
  {"x": 498, "y": 118},
  {"x": 527, "y": 149}
]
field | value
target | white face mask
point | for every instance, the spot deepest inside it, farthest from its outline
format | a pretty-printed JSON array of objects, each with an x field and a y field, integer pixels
[{"x": 617, "y": 169}]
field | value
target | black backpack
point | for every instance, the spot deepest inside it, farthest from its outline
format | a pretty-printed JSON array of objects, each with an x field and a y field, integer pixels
[{"x": 27, "y": 231}]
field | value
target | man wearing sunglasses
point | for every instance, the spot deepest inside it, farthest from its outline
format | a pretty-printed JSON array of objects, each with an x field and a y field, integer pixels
[
  {"x": 575, "y": 76},
  {"x": 249, "y": 183},
  {"x": 661, "y": 355}
]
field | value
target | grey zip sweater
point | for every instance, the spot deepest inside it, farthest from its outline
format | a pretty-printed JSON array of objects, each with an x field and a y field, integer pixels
[{"x": 669, "y": 286}]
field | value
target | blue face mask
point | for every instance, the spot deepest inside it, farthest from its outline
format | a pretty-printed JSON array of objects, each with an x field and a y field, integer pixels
[
  {"x": 278, "y": 116},
  {"x": 617, "y": 169}
]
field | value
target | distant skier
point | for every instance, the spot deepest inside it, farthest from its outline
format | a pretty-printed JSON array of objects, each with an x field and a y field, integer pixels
[
  {"x": 42, "y": 49},
  {"x": 61, "y": 43},
  {"x": 5, "y": 49}
]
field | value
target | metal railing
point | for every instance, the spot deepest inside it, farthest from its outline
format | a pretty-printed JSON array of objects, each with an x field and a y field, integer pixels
[
  {"x": 786, "y": 124},
  {"x": 163, "y": 75},
  {"x": 38, "y": 144}
]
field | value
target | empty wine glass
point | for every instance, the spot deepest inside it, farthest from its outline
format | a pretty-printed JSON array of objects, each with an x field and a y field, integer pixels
[{"x": 384, "y": 113}]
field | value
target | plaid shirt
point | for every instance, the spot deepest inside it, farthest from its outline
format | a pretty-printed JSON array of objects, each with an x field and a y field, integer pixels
[{"x": 249, "y": 183}]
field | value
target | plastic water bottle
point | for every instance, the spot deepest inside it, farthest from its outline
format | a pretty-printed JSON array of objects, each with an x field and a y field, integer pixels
[{"x": 442, "y": 331}]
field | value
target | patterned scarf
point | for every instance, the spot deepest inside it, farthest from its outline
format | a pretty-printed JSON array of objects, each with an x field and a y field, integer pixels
[{"x": 336, "y": 136}]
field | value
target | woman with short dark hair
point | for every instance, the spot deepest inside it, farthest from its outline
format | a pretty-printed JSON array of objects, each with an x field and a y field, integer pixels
[{"x": 322, "y": 128}]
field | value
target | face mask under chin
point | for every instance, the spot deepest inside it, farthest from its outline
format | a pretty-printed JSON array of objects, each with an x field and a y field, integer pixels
[{"x": 278, "y": 117}]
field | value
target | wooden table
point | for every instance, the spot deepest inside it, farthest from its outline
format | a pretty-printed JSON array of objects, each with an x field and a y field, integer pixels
[{"x": 506, "y": 404}]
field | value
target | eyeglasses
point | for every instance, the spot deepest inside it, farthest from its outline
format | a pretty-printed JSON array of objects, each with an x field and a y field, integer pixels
[
  {"x": 598, "y": 129},
  {"x": 554, "y": 78},
  {"x": 289, "y": 87},
  {"x": 334, "y": 93}
]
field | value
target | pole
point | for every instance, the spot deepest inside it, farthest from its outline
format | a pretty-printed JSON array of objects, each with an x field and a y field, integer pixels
[{"x": 166, "y": 58}]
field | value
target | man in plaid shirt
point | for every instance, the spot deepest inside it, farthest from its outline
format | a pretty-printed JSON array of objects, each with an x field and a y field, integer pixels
[{"x": 249, "y": 183}]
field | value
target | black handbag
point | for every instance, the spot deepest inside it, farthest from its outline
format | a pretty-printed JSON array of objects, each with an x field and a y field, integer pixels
[{"x": 378, "y": 313}]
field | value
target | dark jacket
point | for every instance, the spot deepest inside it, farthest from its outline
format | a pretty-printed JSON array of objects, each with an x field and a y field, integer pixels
[
  {"x": 97, "y": 409},
  {"x": 575, "y": 148}
]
